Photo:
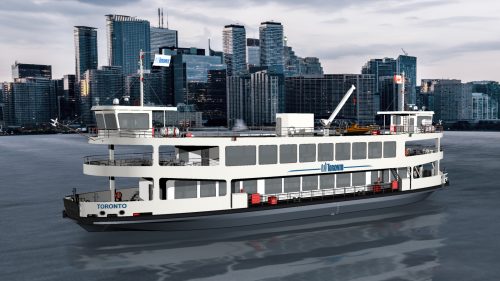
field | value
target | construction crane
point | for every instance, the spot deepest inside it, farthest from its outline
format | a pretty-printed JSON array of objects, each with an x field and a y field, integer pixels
[{"x": 404, "y": 52}]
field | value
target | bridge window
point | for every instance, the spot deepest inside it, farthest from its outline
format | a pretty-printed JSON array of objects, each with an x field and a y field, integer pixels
[
  {"x": 325, "y": 152},
  {"x": 292, "y": 184},
  {"x": 99, "y": 118},
  {"x": 359, "y": 150},
  {"x": 307, "y": 153},
  {"x": 309, "y": 182},
  {"x": 343, "y": 151},
  {"x": 133, "y": 121},
  {"x": 241, "y": 155},
  {"x": 288, "y": 153},
  {"x": 273, "y": 186},
  {"x": 374, "y": 150},
  {"x": 389, "y": 149},
  {"x": 110, "y": 120},
  {"x": 268, "y": 154}
]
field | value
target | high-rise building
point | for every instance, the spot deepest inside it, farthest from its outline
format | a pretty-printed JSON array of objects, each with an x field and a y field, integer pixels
[
  {"x": 162, "y": 37},
  {"x": 266, "y": 97},
  {"x": 211, "y": 100},
  {"x": 238, "y": 99},
  {"x": 383, "y": 70},
  {"x": 491, "y": 88},
  {"x": 253, "y": 52},
  {"x": 234, "y": 48},
  {"x": 311, "y": 67},
  {"x": 127, "y": 36},
  {"x": 25, "y": 70},
  {"x": 321, "y": 95},
  {"x": 408, "y": 65},
  {"x": 100, "y": 87},
  {"x": 484, "y": 107},
  {"x": 452, "y": 100},
  {"x": 32, "y": 101},
  {"x": 271, "y": 46},
  {"x": 8, "y": 103},
  {"x": 188, "y": 65},
  {"x": 291, "y": 62},
  {"x": 85, "y": 49}
]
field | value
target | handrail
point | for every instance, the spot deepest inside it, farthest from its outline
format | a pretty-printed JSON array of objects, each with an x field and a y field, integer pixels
[{"x": 328, "y": 192}]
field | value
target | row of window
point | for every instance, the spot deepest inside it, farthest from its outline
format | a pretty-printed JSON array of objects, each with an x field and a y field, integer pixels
[
  {"x": 314, "y": 182},
  {"x": 127, "y": 121},
  {"x": 180, "y": 189},
  {"x": 268, "y": 154}
]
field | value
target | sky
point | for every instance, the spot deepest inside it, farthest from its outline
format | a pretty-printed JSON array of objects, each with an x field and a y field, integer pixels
[{"x": 457, "y": 39}]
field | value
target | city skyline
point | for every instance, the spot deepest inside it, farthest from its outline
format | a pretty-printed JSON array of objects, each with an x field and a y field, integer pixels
[{"x": 452, "y": 39}]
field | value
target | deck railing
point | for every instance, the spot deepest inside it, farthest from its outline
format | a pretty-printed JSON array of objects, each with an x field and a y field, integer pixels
[
  {"x": 129, "y": 159},
  {"x": 329, "y": 193}
]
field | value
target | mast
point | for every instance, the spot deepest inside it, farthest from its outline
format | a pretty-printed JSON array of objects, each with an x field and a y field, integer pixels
[
  {"x": 141, "y": 78},
  {"x": 402, "y": 104}
]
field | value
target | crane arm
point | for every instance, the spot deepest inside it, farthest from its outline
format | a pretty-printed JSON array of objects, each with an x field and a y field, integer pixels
[{"x": 328, "y": 122}]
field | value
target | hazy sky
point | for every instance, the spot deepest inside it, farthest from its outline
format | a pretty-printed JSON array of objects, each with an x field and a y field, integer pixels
[{"x": 451, "y": 39}]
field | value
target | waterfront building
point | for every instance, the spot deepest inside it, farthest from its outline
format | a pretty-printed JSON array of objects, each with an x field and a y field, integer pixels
[
  {"x": 484, "y": 107},
  {"x": 320, "y": 95},
  {"x": 32, "y": 101},
  {"x": 253, "y": 52},
  {"x": 491, "y": 88},
  {"x": 8, "y": 103},
  {"x": 271, "y": 46},
  {"x": 26, "y": 70},
  {"x": 233, "y": 47},
  {"x": 382, "y": 69},
  {"x": 452, "y": 100},
  {"x": 100, "y": 87},
  {"x": 85, "y": 49},
  {"x": 126, "y": 37}
]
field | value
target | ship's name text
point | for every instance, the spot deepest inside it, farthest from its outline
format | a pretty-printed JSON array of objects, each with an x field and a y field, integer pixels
[
  {"x": 111, "y": 206},
  {"x": 332, "y": 167}
]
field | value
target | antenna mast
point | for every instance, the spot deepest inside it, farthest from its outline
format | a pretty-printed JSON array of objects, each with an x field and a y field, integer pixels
[{"x": 159, "y": 24}]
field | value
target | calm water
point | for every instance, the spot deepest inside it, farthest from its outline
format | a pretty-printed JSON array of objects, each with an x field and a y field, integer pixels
[{"x": 453, "y": 235}]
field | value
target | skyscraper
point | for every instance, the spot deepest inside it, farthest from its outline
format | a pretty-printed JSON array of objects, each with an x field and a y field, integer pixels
[
  {"x": 383, "y": 70},
  {"x": 126, "y": 37},
  {"x": 408, "y": 65},
  {"x": 271, "y": 45},
  {"x": 234, "y": 48},
  {"x": 85, "y": 49},
  {"x": 162, "y": 37},
  {"x": 26, "y": 70},
  {"x": 253, "y": 52},
  {"x": 33, "y": 101}
]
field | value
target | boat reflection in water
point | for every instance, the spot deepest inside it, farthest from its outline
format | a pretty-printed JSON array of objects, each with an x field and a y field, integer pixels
[{"x": 397, "y": 243}]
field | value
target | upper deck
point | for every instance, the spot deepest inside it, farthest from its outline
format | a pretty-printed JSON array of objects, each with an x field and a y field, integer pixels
[{"x": 121, "y": 124}]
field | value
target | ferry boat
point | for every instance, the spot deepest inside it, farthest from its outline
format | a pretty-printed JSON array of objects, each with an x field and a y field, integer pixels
[{"x": 213, "y": 180}]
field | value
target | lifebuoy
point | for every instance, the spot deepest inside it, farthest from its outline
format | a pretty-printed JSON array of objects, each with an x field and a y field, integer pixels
[{"x": 118, "y": 196}]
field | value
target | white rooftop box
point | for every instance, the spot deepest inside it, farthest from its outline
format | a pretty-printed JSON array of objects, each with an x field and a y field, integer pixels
[{"x": 290, "y": 124}]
